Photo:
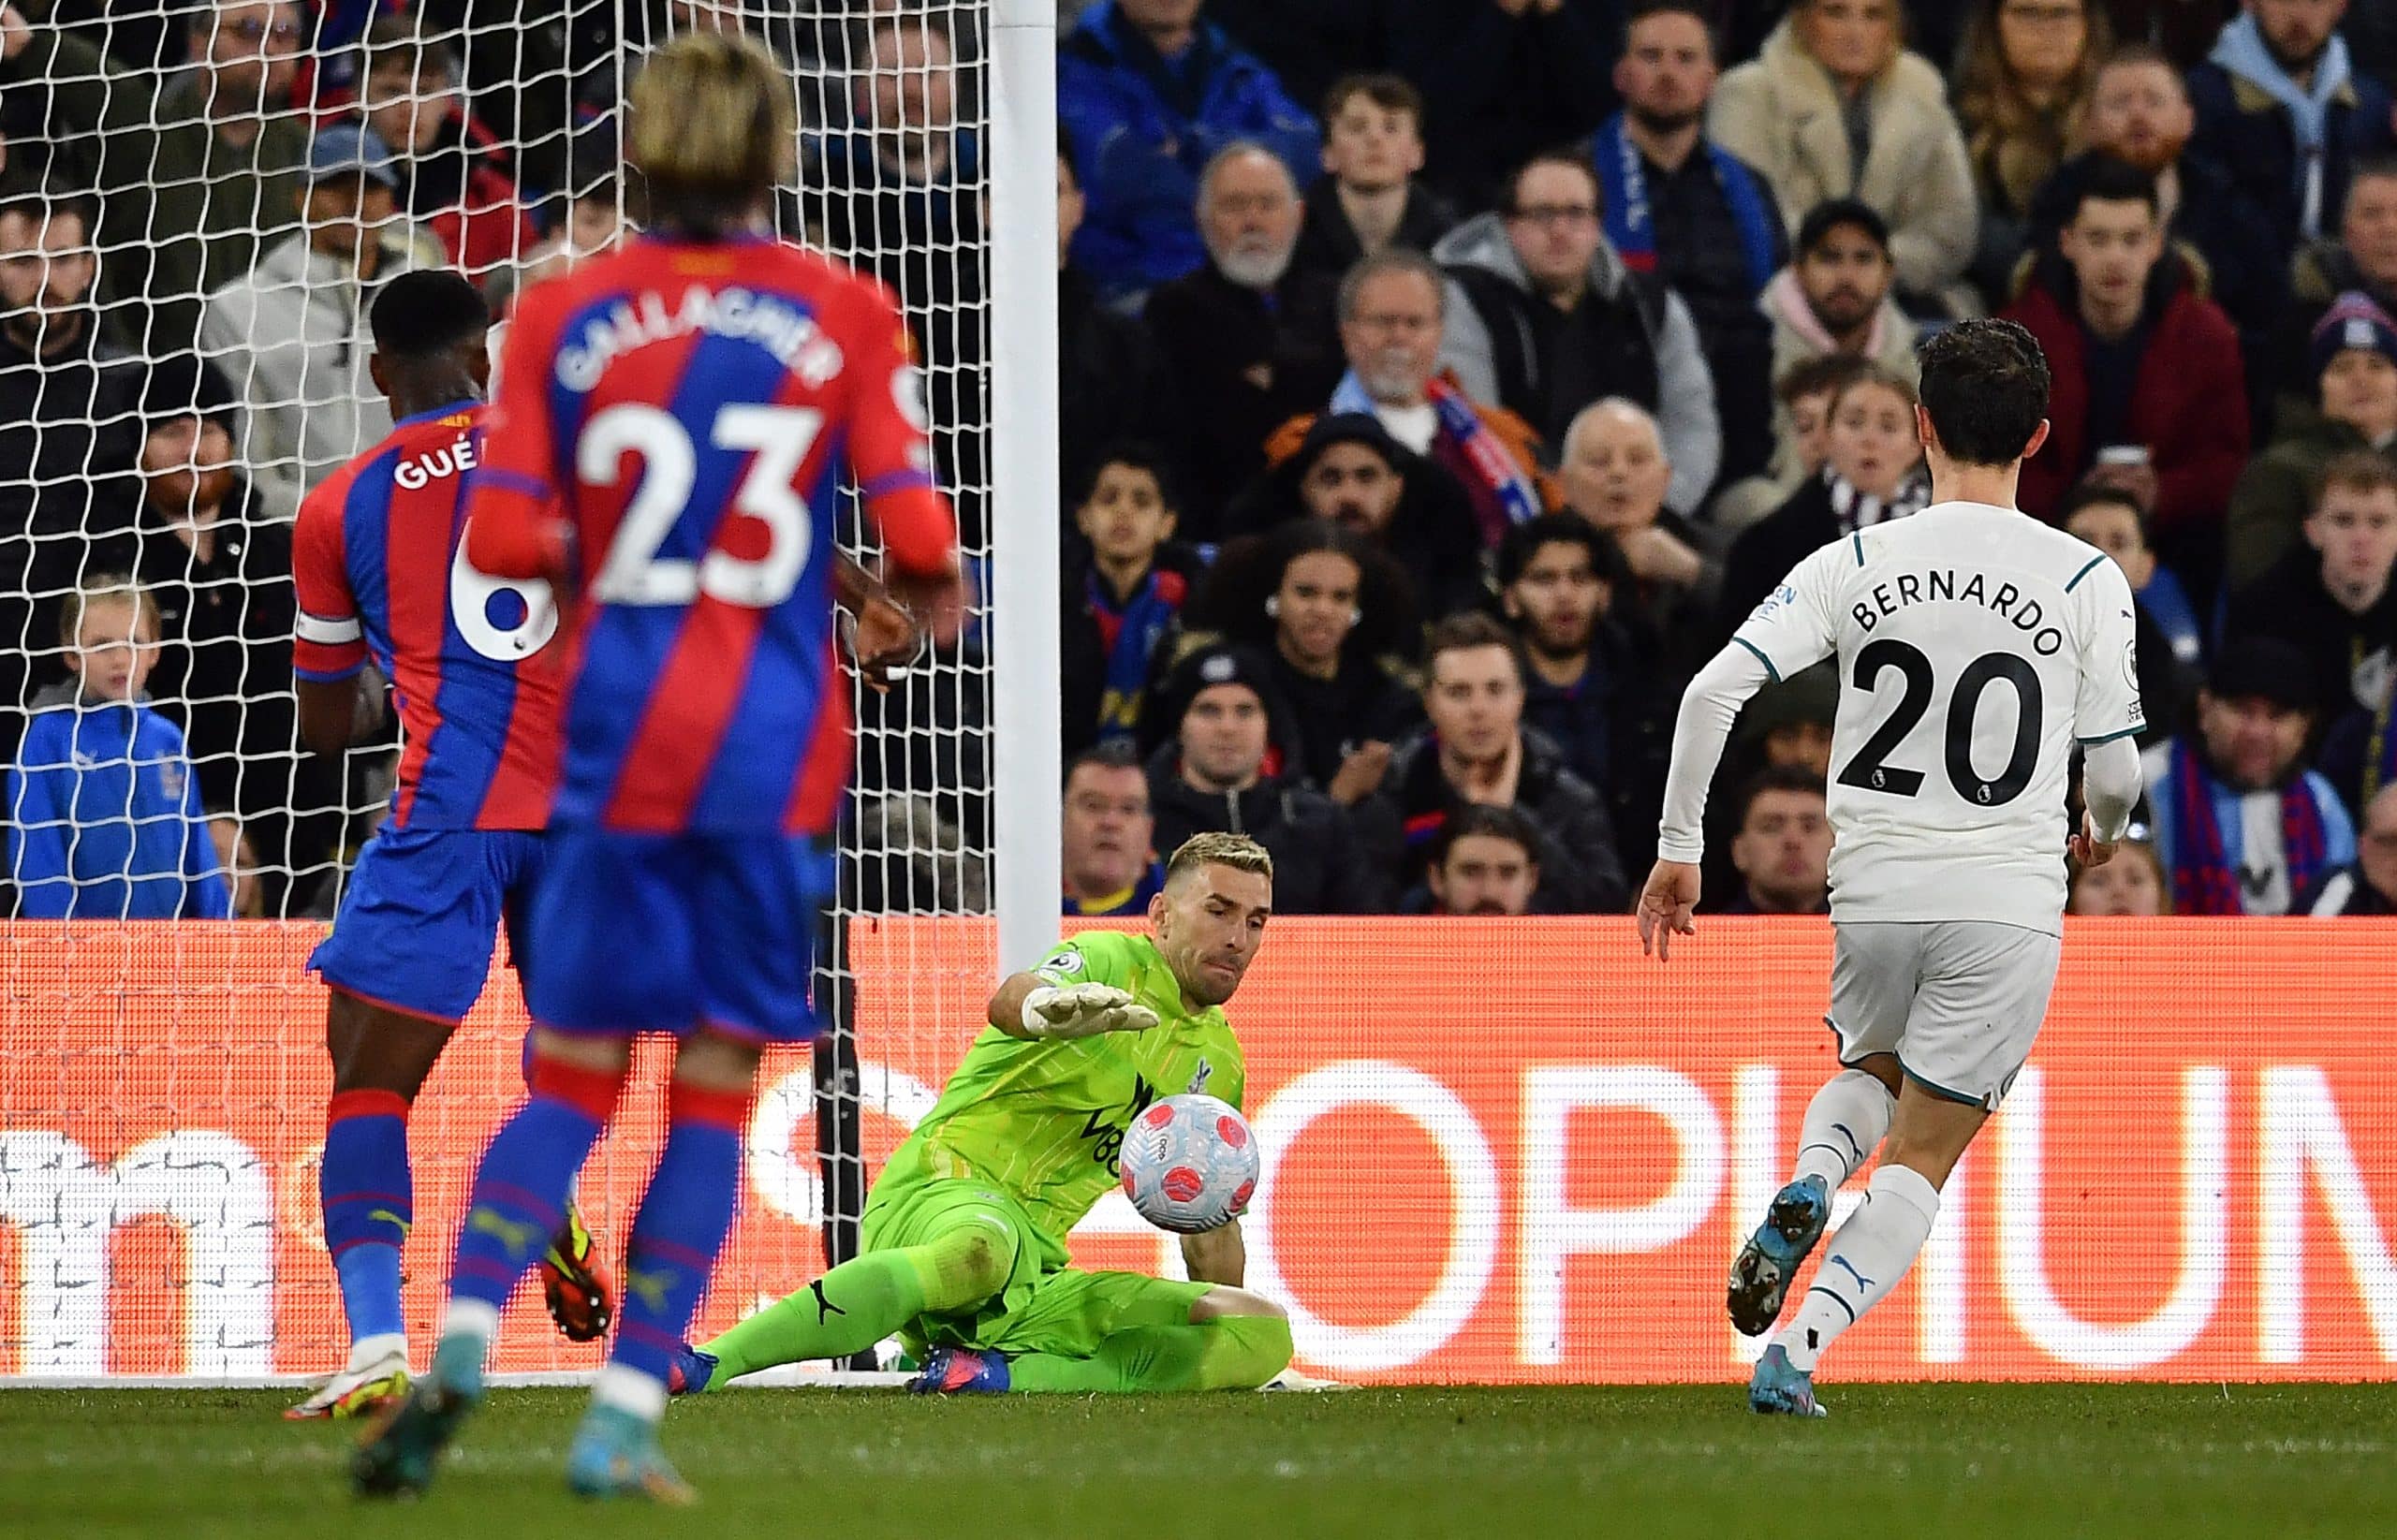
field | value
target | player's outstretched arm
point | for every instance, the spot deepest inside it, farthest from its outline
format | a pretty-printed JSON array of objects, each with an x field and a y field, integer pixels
[
  {"x": 1029, "y": 1006},
  {"x": 1709, "y": 707}
]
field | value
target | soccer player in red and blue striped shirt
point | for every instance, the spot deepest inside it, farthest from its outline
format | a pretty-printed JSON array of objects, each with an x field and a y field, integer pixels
[
  {"x": 688, "y": 404},
  {"x": 379, "y": 570}
]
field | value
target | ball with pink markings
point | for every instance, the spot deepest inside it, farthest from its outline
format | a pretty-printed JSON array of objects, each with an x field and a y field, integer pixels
[{"x": 1189, "y": 1163}]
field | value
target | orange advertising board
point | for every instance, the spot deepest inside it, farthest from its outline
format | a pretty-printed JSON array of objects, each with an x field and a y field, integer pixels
[{"x": 1502, "y": 1152}]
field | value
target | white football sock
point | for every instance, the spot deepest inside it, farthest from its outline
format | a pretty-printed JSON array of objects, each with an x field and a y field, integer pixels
[
  {"x": 473, "y": 1318},
  {"x": 1863, "y": 1262},
  {"x": 1843, "y": 1126},
  {"x": 369, "y": 1351},
  {"x": 630, "y": 1390}
]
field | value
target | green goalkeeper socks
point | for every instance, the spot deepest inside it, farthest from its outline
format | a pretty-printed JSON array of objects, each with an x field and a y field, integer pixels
[
  {"x": 1228, "y": 1353},
  {"x": 860, "y": 1303}
]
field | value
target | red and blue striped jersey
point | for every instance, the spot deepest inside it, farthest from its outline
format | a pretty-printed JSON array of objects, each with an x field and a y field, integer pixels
[
  {"x": 378, "y": 560},
  {"x": 672, "y": 425}
]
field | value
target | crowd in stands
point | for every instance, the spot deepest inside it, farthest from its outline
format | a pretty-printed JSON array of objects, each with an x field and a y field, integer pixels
[{"x": 1442, "y": 382}]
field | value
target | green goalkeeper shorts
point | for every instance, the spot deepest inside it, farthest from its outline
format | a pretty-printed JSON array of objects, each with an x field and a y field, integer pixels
[{"x": 1044, "y": 1306}]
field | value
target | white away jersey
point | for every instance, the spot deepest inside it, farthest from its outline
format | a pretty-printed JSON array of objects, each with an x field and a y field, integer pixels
[{"x": 1975, "y": 645}]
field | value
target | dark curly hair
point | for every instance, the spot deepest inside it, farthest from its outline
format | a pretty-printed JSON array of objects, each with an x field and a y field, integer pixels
[
  {"x": 1985, "y": 385},
  {"x": 1249, "y": 571}
]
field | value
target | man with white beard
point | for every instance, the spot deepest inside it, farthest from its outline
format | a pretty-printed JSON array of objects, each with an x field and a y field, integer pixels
[{"x": 1244, "y": 341}]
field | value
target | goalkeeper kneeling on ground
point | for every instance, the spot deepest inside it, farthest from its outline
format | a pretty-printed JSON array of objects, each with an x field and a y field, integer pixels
[{"x": 964, "y": 1230}]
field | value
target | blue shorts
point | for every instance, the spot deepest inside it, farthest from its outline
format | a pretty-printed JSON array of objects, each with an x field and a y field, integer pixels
[
  {"x": 416, "y": 923},
  {"x": 669, "y": 933}
]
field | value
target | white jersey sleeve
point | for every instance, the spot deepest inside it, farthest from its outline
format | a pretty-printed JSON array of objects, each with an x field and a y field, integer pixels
[
  {"x": 2107, "y": 706},
  {"x": 1796, "y": 626}
]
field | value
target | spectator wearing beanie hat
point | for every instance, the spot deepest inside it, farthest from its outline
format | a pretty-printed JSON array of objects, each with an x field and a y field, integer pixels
[
  {"x": 2242, "y": 824},
  {"x": 1348, "y": 470},
  {"x": 2354, "y": 356},
  {"x": 1222, "y": 769}
]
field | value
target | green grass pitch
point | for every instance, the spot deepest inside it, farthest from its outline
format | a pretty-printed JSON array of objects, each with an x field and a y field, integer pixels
[{"x": 1910, "y": 1463}]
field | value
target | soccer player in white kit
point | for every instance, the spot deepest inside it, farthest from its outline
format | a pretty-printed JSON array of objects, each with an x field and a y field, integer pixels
[{"x": 1975, "y": 647}]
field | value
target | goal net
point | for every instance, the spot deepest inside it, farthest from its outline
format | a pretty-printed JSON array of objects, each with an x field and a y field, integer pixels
[{"x": 194, "y": 233}]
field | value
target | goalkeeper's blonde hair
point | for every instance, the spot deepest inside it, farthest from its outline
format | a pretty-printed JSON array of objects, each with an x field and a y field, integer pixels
[
  {"x": 713, "y": 129},
  {"x": 1215, "y": 848}
]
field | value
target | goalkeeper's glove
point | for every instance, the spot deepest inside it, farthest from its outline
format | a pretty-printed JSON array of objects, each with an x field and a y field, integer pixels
[{"x": 1083, "y": 1010}]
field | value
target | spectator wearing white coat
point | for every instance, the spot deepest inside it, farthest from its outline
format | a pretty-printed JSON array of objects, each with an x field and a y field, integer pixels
[
  {"x": 292, "y": 334},
  {"x": 1544, "y": 318},
  {"x": 1836, "y": 106}
]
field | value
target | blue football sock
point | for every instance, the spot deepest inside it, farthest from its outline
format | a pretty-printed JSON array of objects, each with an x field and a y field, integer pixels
[
  {"x": 364, "y": 1186},
  {"x": 520, "y": 1188},
  {"x": 684, "y": 1219}
]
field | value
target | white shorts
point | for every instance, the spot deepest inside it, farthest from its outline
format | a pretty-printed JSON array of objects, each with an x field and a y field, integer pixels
[{"x": 1958, "y": 1001}]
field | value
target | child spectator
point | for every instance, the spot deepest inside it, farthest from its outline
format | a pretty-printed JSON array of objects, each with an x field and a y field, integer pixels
[
  {"x": 1872, "y": 473},
  {"x": 105, "y": 817},
  {"x": 1373, "y": 147},
  {"x": 1803, "y": 396},
  {"x": 2171, "y": 643},
  {"x": 1126, "y": 604},
  {"x": 2130, "y": 884}
]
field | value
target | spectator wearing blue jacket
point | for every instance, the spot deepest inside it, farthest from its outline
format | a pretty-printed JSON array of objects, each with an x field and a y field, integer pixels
[
  {"x": 2282, "y": 108},
  {"x": 105, "y": 820},
  {"x": 1149, "y": 91}
]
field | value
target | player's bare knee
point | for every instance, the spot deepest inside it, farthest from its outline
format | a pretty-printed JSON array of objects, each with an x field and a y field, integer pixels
[
  {"x": 605, "y": 1055},
  {"x": 713, "y": 1061},
  {"x": 374, "y": 1048},
  {"x": 1885, "y": 1068},
  {"x": 1930, "y": 1133},
  {"x": 1225, "y": 1303}
]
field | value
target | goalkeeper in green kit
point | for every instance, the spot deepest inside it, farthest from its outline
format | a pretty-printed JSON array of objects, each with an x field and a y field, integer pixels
[{"x": 964, "y": 1230}]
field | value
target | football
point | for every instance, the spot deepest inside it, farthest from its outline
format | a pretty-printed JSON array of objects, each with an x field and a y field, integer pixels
[{"x": 1189, "y": 1163}]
